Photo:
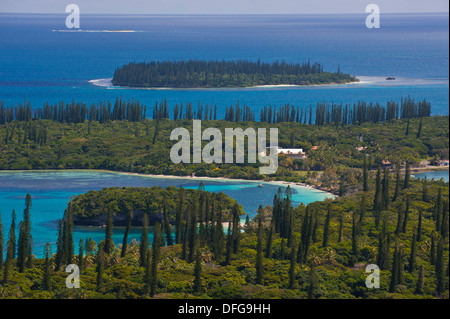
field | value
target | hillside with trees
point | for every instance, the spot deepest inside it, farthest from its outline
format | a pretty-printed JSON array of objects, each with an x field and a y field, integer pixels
[{"x": 305, "y": 252}]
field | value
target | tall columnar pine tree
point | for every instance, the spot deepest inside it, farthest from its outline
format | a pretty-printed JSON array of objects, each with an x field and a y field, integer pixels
[
  {"x": 12, "y": 235},
  {"x": 143, "y": 247},
  {"x": 419, "y": 227},
  {"x": 236, "y": 228},
  {"x": 440, "y": 271},
  {"x": 397, "y": 268},
  {"x": 47, "y": 277},
  {"x": 125, "y": 235},
  {"x": 24, "y": 244},
  {"x": 326, "y": 227},
  {"x": 269, "y": 240},
  {"x": 100, "y": 268},
  {"x": 109, "y": 244},
  {"x": 156, "y": 252},
  {"x": 437, "y": 210},
  {"x": 420, "y": 281}
]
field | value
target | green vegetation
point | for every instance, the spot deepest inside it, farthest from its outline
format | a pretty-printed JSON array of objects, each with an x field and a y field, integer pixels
[
  {"x": 382, "y": 216},
  {"x": 144, "y": 147},
  {"x": 315, "y": 251},
  {"x": 218, "y": 74},
  {"x": 157, "y": 203}
]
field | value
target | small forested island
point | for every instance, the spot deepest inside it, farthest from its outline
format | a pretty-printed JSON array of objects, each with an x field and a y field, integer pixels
[
  {"x": 130, "y": 204},
  {"x": 223, "y": 74}
]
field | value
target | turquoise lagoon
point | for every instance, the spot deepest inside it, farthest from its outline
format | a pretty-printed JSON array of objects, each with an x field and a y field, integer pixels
[{"x": 51, "y": 191}]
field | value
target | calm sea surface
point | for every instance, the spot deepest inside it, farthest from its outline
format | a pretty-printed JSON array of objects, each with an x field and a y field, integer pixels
[{"x": 43, "y": 61}]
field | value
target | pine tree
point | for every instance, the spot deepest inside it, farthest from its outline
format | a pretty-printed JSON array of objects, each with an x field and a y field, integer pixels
[
  {"x": 100, "y": 268},
  {"x": 59, "y": 247},
  {"x": 46, "y": 280},
  {"x": 326, "y": 228},
  {"x": 156, "y": 251},
  {"x": 143, "y": 247},
  {"x": 269, "y": 240},
  {"x": 420, "y": 281},
  {"x": 419, "y": 227},
  {"x": 419, "y": 131},
  {"x": 109, "y": 244},
  {"x": 440, "y": 276},
  {"x": 67, "y": 235},
  {"x": 396, "y": 273},
  {"x": 12, "y": 235},
  {"x": 24, "y": 244},
  {"x": 125, "y": 235}
]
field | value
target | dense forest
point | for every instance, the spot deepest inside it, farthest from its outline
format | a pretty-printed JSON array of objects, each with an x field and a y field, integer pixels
[
  {"x": 219, "y": 74},
  {"x": 315, "y": 251},
  {"x": 144, "y": 147}
]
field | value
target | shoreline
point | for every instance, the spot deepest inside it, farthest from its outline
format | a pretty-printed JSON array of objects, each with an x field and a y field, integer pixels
[
  {"x": 226, "y": 179},
  {"x": 107, "y": 82}
]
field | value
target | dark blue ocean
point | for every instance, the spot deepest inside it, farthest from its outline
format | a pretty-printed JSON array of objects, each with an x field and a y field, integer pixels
[{"x": 41, "y": 60}]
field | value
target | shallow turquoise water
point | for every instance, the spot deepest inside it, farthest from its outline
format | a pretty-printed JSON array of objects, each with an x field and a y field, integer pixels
[
  {"x": 436, "y": 175},
  {"x": 51, "y": 190}
]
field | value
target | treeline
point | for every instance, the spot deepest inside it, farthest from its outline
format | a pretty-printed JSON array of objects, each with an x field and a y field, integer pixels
[
  {"x": 213, "y": 74},
  {"x": 75, "y": 112},
  {"x": 323, "y": 114},
  {"x": 340, "y": 114}
]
